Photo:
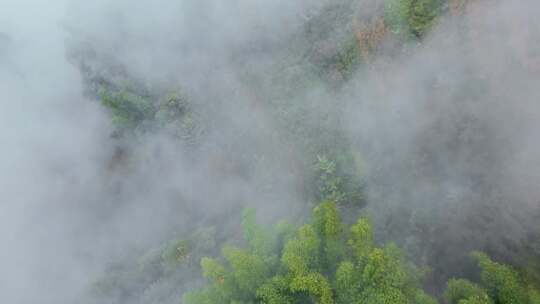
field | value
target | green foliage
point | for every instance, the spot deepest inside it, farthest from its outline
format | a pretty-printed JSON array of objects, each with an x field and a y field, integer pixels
[
  {"x": 128, "y": 109},
  {"x": 176, "y": 116},
  {"x": 176, "y": 252},
  {"x": 136, "y": 113},
  {"x": 422, "y": 15},
  {"x": 320, "y": 262},
  {"x": 301, "y": 254},
  {"x": 302, "y": 259},
  {"x": 396, "y": 16},
  {"x": 329, "y": 184},
  {"x": 348, "y": 58},
  {"x": 422, "y": 298},
  {"x": 347, "y": 287},
  {"x": 500, "y": 284},
  {"x": 339, "y": 180},
  {"x": 259, "y": 241},
  {"x": 476, "y": 300},
  {"x": 333, "y": 48},
  {"x": 275, "y": 291},
  {"x": 385, "y": 277},
  {"x": 212, "y": 270},
  {"x": 534, "y": 296},
  {"x": 361, "y": 239},
  {"x": 327, "y": 222},
  {"x": 317, "y": 265},
  {"x": 249, "y": 270},
  {"x": 314, "y": 284},
  {"x": 412, "y": 17},
  {"x": 459, "y": 290},
  {"x": 159, "y": 275}
]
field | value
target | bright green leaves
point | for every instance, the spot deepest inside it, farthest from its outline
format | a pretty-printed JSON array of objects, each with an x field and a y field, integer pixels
[
  {"x": 534, "y": 296},
  {"x": 328, "y": 225},
  {"x": 327, "y": 221},
  {"x": 383, "y": 269},
  {"x": 384, "y": 278},
  {"x": 315, "y": 285},
  {"x": 213, "y": 270},
  {"x": 244, "y": 271},
  {"x": 347, "y": 283},
  {"x": 237, "y": 282},
  {"x": 275, "y": 291},
  {"x": 476, "y": 300},
  {"x": 301, "y": 254},
  {"x": 459, "y": 290},
  {"x": 500, "y": 284},
  {"x": 422, "y": 298},
  {"x": 361, "y": 239},
  {"x": 259, "y": 241},
  {"x": 248, "y": 270},
  {"x": 223, "y": 286},
  {"x": 377, "y": 296},
  {"x": 322, "y": 262}
]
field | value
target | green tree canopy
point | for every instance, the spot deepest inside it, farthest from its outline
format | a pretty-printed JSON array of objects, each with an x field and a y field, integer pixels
[{"x": 320, "y": 262}]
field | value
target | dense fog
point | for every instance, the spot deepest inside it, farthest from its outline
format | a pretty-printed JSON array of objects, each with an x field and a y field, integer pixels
[{"x": 128, "y": 124}]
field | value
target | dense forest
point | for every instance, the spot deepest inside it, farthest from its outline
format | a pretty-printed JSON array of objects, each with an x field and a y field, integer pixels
[{"x": 328, "y": 151}]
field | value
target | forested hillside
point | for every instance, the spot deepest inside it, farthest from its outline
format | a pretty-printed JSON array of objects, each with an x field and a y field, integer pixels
[
  {"x": 327, "y": 151},
  {"x": 388, "y": 110}
]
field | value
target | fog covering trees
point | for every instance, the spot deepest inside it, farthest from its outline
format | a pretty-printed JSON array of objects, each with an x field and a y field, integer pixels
[{"x": 350, "y": 151}]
